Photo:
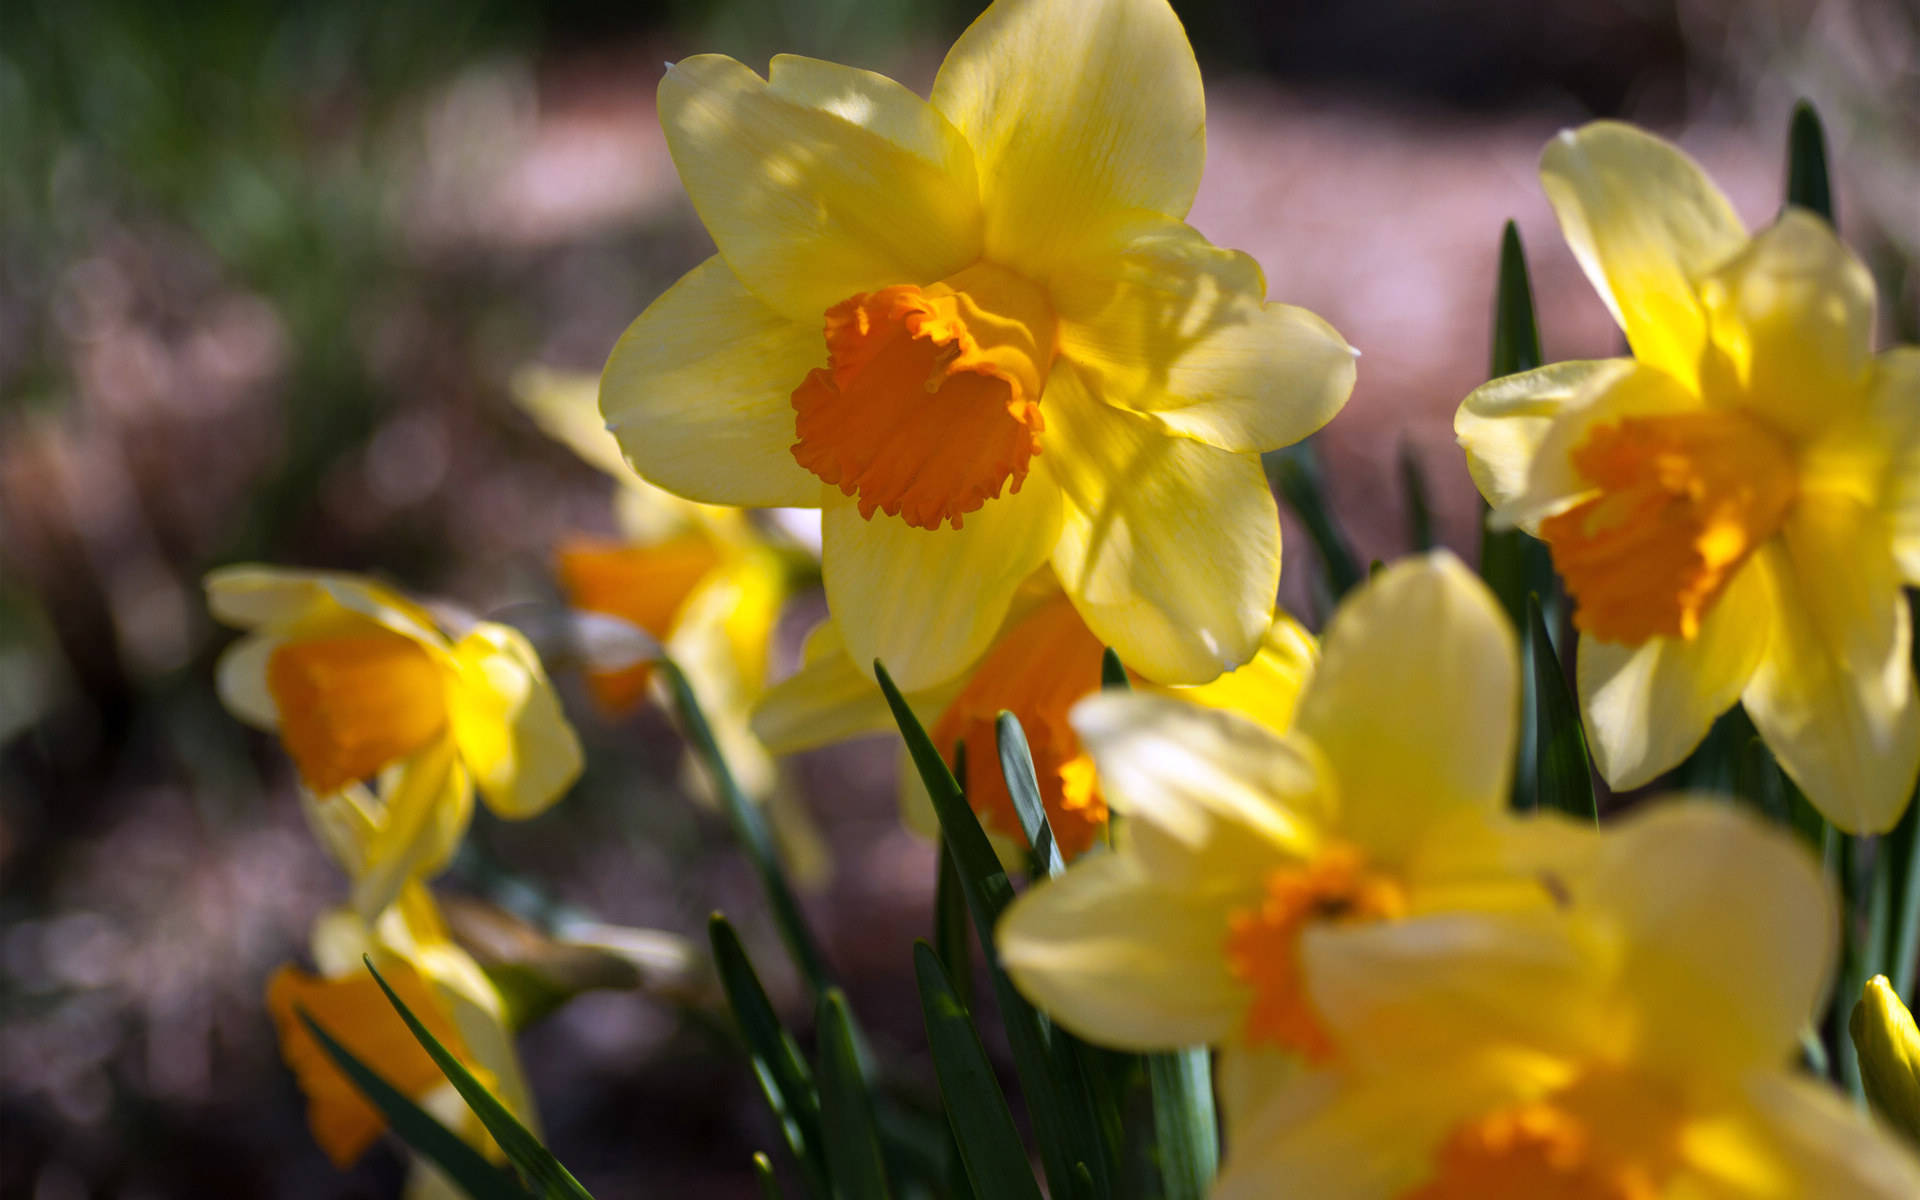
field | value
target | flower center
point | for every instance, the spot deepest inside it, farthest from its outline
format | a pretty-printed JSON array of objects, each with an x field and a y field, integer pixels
[
  {"x": 1609, "y": 1136},
  {"x": 930, "y": 400},
  {"x": 646, "y": 586},
  {"x": 1263, "y": 942},
  {"x": 1036, "y": 671},
  {"x": 1682, "y": 500},
  {"x": 352, "y": 703}
]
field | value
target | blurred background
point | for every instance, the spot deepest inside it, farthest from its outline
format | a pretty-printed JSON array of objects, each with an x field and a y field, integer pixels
[{"x": 265, "y": 274}]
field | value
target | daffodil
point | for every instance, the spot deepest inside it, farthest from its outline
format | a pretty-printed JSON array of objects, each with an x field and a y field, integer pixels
[
  {"x": 702, "y": 581},
  {"x": 975, "y": 331},
  {"x": 1888, "y": 1042},
  {"x": 1652, "y": 1065},
  {"x": 390, "y": 719},
  {"x": 1043, "y": 661},
  {"x": 1734, "y": 508},
  {"x": 1256, "y": 875},
  {"x": 438, "y": 981}
]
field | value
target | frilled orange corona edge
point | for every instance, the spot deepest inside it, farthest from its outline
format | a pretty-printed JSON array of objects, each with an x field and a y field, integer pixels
[
  {"x": 929, "y": 404},
  {"x": 1263, "y": 942},
  {"x": 1682, "y": 501},
  {"x": 1037, "y": 671}
]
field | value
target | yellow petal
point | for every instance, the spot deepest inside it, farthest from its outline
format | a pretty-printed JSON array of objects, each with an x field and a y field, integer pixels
[
  {"x": 1791, "y": 318},
  {"x": 699, "y": 393},
  {"x": 829, "y": 699},
  {"x": 1503, "y": 424},
  {"x": 566, "y": 407},
  {"x": 1888, "y": 1042},
  {"x": 1170, "y": 547},
  {"x": 927, "y": 602},
  {"x": 1616, "y": 389},
  {"x": 1076, "y": 110},
  {"x": 1834, "y": 695},
  {"x": 1415, "y": 704},
  {"x": 1827, "y": 1146},
  {"x": 1267, "y": 690},
  {"x": 250, "y": 597},
  {"x": 240, "y": 677},
  {"x": 507, "y": 721},
  {"x": 425, "y": 804},
  {"x": 1211, "y": 800},
  {"x": 1180, "y": 330},
  {"x": 1714, "y": 986},
  {"x": 1648, "y": 706},
  {"x": 806, "y": 205},
  {"x": 1121, "y": 961},
  {"x": 880, "y": 105},
  {"x": 1895, "y": 404},
  {"x": 1646, "y": 223}
]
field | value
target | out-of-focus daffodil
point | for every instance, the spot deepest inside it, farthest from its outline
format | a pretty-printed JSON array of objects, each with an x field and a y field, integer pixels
[
  {"x": 1041, "y": 664},
  {"x": 363, "y": 685},
  {"x": 977, "y": 333},
  {"x": 702, "y": 580},
  {"x": 1256, "y": 876},
  {"x": 1651, "y": 1064},
  {"x": 1735, "y": 508},
  {"x": 442, "y": 986},
  {"x": 1888, "y": 1043}
]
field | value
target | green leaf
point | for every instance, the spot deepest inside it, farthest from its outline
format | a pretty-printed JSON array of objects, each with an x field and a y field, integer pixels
[
  {"x": 983, "y": 1126},
  {"x": 751, "y": 829},
  {"x": 1183, "y": 1121},
  {"x": 424, "y": 1135},
  {"x": 846, "y": 1109},
  {"x": 1808, "y": 186},
  {"x": 1050, "y": 1076},
  {"x": 1112, "y": 673},
  {"x": 1565, "y": 777},
  {"x": 763, "y": 1175},
  {"x": 1016, "y": 764},
  {"x": 1302, "y": 482},
  {"x": 1901, "y": 937},
  {"x": 950, "y": 928},
  {"x": 536, "y": 1163},
  {"x": 1516, "y": 335},
  {"x": 1419, "y": 514},
  {"x": 777, "y": 1063}
]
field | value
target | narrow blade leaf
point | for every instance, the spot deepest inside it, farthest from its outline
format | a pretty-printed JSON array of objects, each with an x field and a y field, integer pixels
[
  {"x": 1516, "y": 334},
  {"x": 1413, "y": 482},
  {"x": 983, "y": 1128},
  {"x": 1808, "y": 185},
  {"x": 1302, "y": 483},
  {"x": 1016, "y": 764},
  {"x": 1112, "y": 673},
  {"x": 846, "y": 1109},
  {"x": 951, "y": 928},
  {"x": 1564, "y": 777},
  {"x": 1184, "y": 1121},
  {"x": 784, "y": 1078}
]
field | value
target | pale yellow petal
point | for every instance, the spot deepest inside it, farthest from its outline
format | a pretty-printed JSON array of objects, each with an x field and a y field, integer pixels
[
  {"x": 252, "y": 597},
  {"x": 925, "y": 602},
  {"x": 1120, "y": 960},
  {"x": 880, "y": 105},
  {"x": 1210, "y": 799},
  {"x": 1268, "y": 689},
  {"x": 806, "y": 205},
  {"x": 1415, "y": 703},
  {"x": 1503, "y": 424},
  {"x": 1075, "y": 111},
  {"x": 1646, "y": 224},
  {"x": 507, "y": 721},
  {"x": 699, "y": 392},
  {"x": 830, "y": 699},
  {"x": 1834, "y": 695},
  {"x": 240, "y": 678},
  {"x": 1647, "y": 706},
  {"x": 1170, "y": 547},
  {"x": 1179, "y": 329},
  {"x": 424, "y": 806},
  {"x": 1616, "y": 389},
  {"x": 1726, "y": 934},
  {"x": 1791, "y": 318},
  {"x": 1826, "y": 1146},
  {"x": 1895, "y": 431}
]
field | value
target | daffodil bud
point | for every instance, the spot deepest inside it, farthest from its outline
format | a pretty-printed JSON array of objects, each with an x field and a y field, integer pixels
[{"x": 1888, "y": 1043}]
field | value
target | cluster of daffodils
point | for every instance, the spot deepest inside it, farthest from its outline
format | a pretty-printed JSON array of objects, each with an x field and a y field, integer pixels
[{"x": 1029, "y": 403}]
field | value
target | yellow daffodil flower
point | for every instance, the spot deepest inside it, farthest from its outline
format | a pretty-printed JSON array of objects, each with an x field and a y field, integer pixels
[
  {"x": 362, "y": 685},
  {"x": 703, "y": 581},
  {"x": 1044, "y": 660},
  {"x": 1888, "y": 1042},
  {"x": 1651, "y": 1064},
  {"x": 1256, "y": 876},
  {"x": 1735, "y": 508},
  {"x": 975, "y": 331},
  {"x": 438, "y": 981}
]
